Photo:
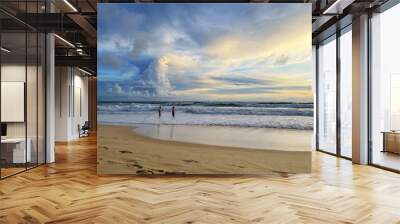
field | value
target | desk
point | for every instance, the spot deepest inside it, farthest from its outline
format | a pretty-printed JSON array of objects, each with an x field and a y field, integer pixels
[
  {"x": 391, "y": 141},
  {"x": 16, "y": 147}
]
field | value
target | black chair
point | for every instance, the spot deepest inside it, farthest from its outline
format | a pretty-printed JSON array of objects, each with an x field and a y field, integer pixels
[{"x": 84, "y": 130}]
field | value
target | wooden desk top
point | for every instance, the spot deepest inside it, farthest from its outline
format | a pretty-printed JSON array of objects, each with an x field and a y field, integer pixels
[
  {"x": 13, "y": 140},
  {"x": 390, "y": 132}
]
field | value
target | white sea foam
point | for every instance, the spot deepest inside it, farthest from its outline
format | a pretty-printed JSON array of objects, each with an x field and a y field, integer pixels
[
  {"x": 244, "y": 114},
  {"x": 267, "y": 121}
]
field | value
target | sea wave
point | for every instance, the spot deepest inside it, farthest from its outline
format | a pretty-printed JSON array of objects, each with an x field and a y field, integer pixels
[
  {"x": 286, "y": 122},
  {"x": 223, "y": 108}
]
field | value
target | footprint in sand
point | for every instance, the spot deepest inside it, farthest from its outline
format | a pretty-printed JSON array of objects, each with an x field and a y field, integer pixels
[
  {"x": 138, "y": 166},
  {"x": 190, "y": 161},
  {"x": 157, "y": 171},
  {"x": 240, "y": 166},
  {"x": 124, "y": 151},
  {"x": 144, "y": 172}
]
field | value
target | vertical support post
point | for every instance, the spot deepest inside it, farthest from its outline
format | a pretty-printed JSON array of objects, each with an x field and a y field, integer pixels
[
  {"x": 0, "y": 96},
  {"x": 360, "y": 90},
  {"x": 50, "y": 92},
  {"x": 316, "y": 92},
  {"x": 338, "y": 81}
]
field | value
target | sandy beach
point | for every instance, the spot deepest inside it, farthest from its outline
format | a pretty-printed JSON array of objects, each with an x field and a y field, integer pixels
[
  {"x": 231, "y": 136},
  {"x": 122, "y": 151}
]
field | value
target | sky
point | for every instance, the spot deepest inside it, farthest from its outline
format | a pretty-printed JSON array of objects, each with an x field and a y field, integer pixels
[{"x": 228, "y": 52}]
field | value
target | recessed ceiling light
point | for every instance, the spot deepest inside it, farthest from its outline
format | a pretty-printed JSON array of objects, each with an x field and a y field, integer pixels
[
  {"x": 5, "y": 50},
  {"x": 84, "y": 71},
  {"x": 70, "y": 5},
  {"x": 64, "y": 40},
  {"x": 337, "y": 7}
]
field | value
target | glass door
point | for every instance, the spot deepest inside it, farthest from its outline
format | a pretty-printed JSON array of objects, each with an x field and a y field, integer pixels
[
  {"x": 385, "y": 89},
  {"x": 14, "y": 153},
  {"x": 22, "y": 78},
  {"x": 346, "y": 92},
  {"x": 327, "y": 95}
]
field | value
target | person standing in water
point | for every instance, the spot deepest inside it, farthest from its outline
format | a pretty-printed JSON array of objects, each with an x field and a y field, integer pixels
[
  {"x": 159, "y": 111},
  {"x": 173, "y": 111}
]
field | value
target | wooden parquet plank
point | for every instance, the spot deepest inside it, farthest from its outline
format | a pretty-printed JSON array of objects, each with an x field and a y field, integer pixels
[{"x": 70, "y": 191}]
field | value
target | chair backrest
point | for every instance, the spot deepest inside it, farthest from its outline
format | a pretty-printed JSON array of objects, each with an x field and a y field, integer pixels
[{"x": 86, "y": 125}]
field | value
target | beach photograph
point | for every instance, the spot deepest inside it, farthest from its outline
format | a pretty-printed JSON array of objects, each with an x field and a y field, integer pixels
[{"x": 199, "y": 96}]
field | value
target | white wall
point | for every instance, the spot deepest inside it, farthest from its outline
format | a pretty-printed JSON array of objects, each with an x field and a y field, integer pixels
[
  {"x": 81, "y": 83},
  {"x": 71, "y": 94},
  {"x": 13, "y": 73},
  {"x": 62, "y": 82}
]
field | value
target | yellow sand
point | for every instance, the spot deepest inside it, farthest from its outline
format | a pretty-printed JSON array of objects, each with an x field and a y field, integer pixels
[{"x": 122, "y": 151}]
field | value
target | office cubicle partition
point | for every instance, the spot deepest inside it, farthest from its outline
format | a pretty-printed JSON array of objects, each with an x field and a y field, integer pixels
[{"x": 22, "y": 77}]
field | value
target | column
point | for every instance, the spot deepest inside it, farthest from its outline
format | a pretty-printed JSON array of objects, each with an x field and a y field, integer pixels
[{"x": 360, "y": 90}]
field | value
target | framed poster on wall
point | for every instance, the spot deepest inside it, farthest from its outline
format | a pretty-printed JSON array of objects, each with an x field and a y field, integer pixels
[{"x": 204, "y": 88}]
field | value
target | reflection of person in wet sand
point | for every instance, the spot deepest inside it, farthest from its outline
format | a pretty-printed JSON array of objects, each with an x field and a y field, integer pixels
[
  {"x": 171, "y": 134},
  {"x": 173, "y": 111},
  {"x": 159, "y": 111}
]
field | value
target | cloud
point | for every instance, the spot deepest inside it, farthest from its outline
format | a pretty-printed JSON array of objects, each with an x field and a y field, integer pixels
[
  {"x": 115, "y": 89},
  {"x": 110, "y": 60},
  {"x": 155, "y": 51},
  {"x": 152, "y": 82},
  {"x": 282, "y": 59},
  {"x": 156, "y": 77},
  {"x": 239, "y": 81}
]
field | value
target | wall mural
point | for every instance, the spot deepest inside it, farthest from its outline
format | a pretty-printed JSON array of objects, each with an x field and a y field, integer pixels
[{"x": 204, "y": 88}]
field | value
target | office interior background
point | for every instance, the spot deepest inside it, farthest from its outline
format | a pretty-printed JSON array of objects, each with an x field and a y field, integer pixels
[
  {"x": 48, "y": 71},
  {"x": 39, "y": 107},
  {"x": 48, "y": 76}
]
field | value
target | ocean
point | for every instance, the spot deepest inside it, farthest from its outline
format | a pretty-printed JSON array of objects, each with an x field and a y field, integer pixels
[{"x": 286, "y": 115}]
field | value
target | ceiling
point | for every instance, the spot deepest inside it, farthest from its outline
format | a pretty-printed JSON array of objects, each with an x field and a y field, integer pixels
[{"x": 75, "y": 21}]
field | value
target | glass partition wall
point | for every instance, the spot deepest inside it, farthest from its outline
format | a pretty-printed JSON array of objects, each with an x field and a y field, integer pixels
[
  {"x": 22, "y": 66},
  {"x": 334, "y": 76},
  {"x": 13, "y": 110},
  {"x": 334, "y": 99},
  {"x": 345, "y": 62},
  {"x": 327, "y": 95},
  {"x": 385, "y": 89}
]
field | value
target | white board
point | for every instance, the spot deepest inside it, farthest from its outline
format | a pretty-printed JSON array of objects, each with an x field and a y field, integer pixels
[{"x": 12, "y": 101}]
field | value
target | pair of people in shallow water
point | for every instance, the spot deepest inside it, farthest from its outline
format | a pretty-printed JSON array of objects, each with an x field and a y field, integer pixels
[{"x": 160, "y": 109}]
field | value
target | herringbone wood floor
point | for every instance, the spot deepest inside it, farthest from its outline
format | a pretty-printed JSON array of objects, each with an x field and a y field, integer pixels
[{"x": 69, "y": 191}]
